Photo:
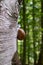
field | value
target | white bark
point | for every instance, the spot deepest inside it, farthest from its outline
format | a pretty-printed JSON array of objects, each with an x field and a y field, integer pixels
[{"x": 8, "y": 30}]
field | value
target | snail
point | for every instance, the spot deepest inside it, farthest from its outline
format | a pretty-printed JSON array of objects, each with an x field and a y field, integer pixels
[{"x": 21, "y": 34}]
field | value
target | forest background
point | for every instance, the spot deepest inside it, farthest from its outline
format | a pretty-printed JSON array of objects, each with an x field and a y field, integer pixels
[{"x": 30, "y": 18}]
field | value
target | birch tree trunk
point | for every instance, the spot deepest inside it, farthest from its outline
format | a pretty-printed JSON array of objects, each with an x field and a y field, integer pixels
[{"x": 8, "y": 30}]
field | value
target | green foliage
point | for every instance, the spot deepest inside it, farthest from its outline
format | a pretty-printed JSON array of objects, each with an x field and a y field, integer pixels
[{"x": 30, "y": 21}]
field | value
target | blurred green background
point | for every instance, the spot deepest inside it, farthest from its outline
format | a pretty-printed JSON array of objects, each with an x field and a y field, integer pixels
[{"x": 30, "y": 18}]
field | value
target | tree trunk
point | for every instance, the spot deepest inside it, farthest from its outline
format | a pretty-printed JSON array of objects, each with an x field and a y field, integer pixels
[{"x": 40, "y": 61}]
